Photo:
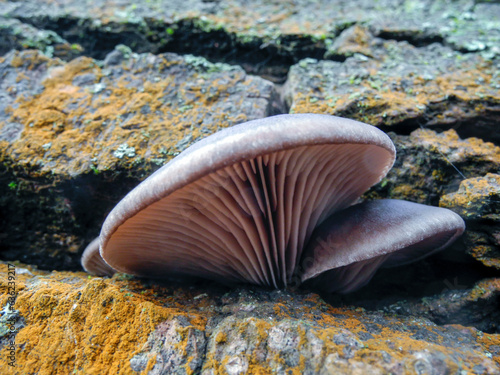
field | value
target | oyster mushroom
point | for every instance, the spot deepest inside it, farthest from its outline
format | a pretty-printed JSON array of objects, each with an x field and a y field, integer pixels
[
  {"x": 240, "y": 205},
  {"x": 348, "y": 247}
]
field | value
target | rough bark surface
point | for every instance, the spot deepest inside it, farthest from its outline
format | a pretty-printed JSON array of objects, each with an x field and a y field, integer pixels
[{"x": 97, "y": 95}]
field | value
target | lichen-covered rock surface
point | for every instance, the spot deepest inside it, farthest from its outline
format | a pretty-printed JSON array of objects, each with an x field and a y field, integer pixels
[
  {"x": 75, "y": 323},
  {"x": 395, "y": 84},
  {"x": 19, "y": 35},
  {"x": 478, "y": 200},
  {"x": 282, "y": 31},
  {"x": 430, "y": 165},
  {"x": 68, "y": 129},
  {"x": 97, "y": 95},
  {"x": 476, "y": 306}
]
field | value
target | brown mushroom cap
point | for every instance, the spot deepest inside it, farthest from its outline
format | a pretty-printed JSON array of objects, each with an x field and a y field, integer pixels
[
  {"x": 240, "y": 204},
  {"x": 92, "y": 261},
  {"x": 348, "y": 247}
]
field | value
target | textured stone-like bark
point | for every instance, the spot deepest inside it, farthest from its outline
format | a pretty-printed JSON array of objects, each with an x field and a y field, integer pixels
[
  {"x": 76, "y": 136},
  {"x": 126, "y": 326}
]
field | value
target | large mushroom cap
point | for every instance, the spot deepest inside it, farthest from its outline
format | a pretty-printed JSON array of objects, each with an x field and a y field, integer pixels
[
  {"x": 240, "y": 204},
  {"x": 348, "y": 247}
]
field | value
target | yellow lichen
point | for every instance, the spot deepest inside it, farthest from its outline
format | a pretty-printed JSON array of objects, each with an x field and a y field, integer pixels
[
  {"x": 85, "y": 125},
  {"x": 89, "y": 325},
  {"x": 220, "y": 338},
  {"x": 366, "y": 100},
  {"x": 473, "y": 195},
  {"x": 93, "y": 325}
]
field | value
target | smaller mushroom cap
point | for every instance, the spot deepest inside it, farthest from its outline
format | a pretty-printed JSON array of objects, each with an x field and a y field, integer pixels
[
  {"x": 92, "y": 261},
  {"x": 348, "y": 248}
]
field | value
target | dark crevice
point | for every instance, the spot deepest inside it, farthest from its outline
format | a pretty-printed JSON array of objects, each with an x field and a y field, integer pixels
[
  {"x": 414, "y": 38},
  {"x": 465, "y": 129},
  {"x": 337, "y": 57},
  {"x": 478, "y": 126},
  {"x": 420, "y": 40},
  {"x": 270, "y": 60},
  {"x": 77, "y": 209},
  {"x": 427, "y": 287},
  {"x": 407, "y": 126}
]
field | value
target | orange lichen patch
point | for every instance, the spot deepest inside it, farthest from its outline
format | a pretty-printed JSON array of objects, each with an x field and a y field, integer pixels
[
  {"x": 490, "y": 342},
  {"x": 31, "y": 59},
  {"x": 475, "y": 196},
  {"x": 220, "y": 338},
  {"x": 274, "y": 19},
  {"x": 281, "y": 310},
  {"x": 449, "y": 143},
  {"x": 484, "y": 289},
  {"x": 356, "y": 39},
  {"x": 390, "y": 335},
  {"x": 478, "y": 200},
  {"x": 337, "y": 338},
  {"x": 88, "y": 324},
  {"x": 249, "y": 336},
  {"x": 94, "y": 325},
  {"x": 398, "y": 342},
  {"x": 382, "y": 97},
  {"x": 85, "y": 119},
  {"x": 339, "y": 330},
  {"x": 431, "y": 164},
  {"x": 19, "y": 281},
  {"x": 484, "y": 254},
  {"x": 406, "y": 190}
]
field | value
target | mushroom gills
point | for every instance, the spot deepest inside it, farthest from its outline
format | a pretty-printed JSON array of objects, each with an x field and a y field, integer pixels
[{"x": 248, "y": 221}]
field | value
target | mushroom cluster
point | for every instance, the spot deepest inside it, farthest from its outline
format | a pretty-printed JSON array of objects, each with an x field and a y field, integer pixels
[{"x": 271, "y": 201}]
